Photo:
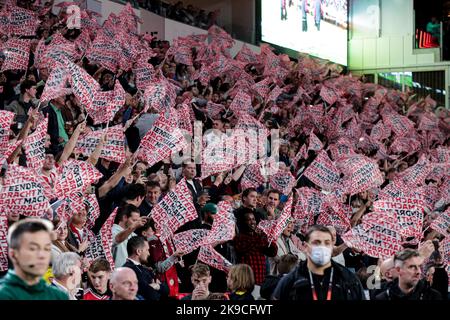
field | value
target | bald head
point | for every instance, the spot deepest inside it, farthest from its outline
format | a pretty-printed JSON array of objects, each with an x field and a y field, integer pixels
[
  {"x": 123, "y": 284},
  {"x": 387, "y": 270}
]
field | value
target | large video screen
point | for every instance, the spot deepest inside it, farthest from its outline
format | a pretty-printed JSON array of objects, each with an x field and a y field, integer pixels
[{"x": 316, "y": 27}]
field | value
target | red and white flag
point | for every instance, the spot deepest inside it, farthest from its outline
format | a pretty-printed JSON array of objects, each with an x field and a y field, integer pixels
[
  {"x": 275, "y": 93},
  {"x": 416, "y": 174},
  {"x": 224, "y": 154},
  {"x": 442, "y": 223},
  {"x": 105, "y": 104},
  {"x": 100, "y": 245},
  {"x": 162, "y": 140},
  {"x": 214, "y": 259},
  {"x": 3, "y": 241},
  {"x": 76, "y": 175},
  {"x": 35, "y": 146},
  {"x": 113, "y": 149},
  {"x": 220, "y": 36},
  {"x": 401, "y": 125},
  {"x": 273, "y": 228},
  {"x": 262, "y": 87},
  {"x": 144, "y": 73},
  {"x": 242, "y": 103},
  {"x": 160, "y": 95},
  {"x": 314, "y": 143},
  {"x": 328, "y": 95},
  {"x": 341, "y": 149},
  {"x": 224, "y": 225},
  {"x": 282, "y": 181},
  {"x": 252, "y": 176},
  {"x": 190, "y": 240},
  {"x": 377, "y": 236},
  {"x": 246, "y": 55},
  {"x": 360, "y": 173},
  {"x": 22, "y": 193},
  {"x": 22, "y": 22},
  {"x": 409, "y": 213},
  {"x": 214, "y": 109},
  {"x": 56, "y": 85},
  {"x": 17, "y": 54},
  {"x": 339, "y": 220},
  {"x": 303, "y": 213},
  {"x": 174, "y": 210},
  {"x": 83, "y": 85},
  {"x": 6, "y": 119},
  {"x": 323, "y": 172}
]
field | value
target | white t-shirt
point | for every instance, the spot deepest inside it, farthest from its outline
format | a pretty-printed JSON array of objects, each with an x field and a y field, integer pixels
[{"x": 119, "y": 251}]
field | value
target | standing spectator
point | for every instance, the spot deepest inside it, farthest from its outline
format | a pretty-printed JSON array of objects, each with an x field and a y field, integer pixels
[
  {"x": 56, "y": 124},
  {"x": 252, "y": 247},
  {"x": 409, "y": 285},
  {"x": 128, "y": 219},
  {"x": 98, "y": 276},
  {"x": 304, "y": 11},
  {"x": 67, "y": 272},
  {"x": 123, "y": 284},
  {"x": 30, "y": 251},
  {"x": 285, "y": 246},
  {"x": 27, "y": 100},
  {"x": 249, "y": 201},
  {"x": 149, "y": 287},
  {"x": 201, "y": 279},
  {"x": 319, "y": 278},
  {"x": 241, "y": 282},
  {"x": 434, "y": 28}
]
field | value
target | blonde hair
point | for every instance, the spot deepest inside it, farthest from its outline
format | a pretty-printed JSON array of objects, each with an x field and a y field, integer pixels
[{"x": 242, "y": 278}]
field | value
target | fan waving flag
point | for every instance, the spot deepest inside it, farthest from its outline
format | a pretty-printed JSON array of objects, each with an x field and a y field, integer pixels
[
  {"x": 224, "y": 225},
  {"x": 56, "y": 84},
  {"x": 174, "y": 210},
  {"x": 17, "y": 54},
  {"x": 246, "y": 55},
  {"x": 283, "y": 181},
  {"x": 190, "y": 240},
  {"x": 214, "y": 259},
  {"x": 314, "y": 143},
  {"x": 323, "y": 172},
  {"x": 22, "y": 22},
  {"x": 360, "y": 173},
  {"x": 160, "y": 95},
  {"x": 273, "y": 228},
  {"x": 442, "y": 223},
  {"x": 106, "y": 104},
  {"x": 162, "y": 140},
  {"x": 83, "y": 85},
  {"x": 378, "y": 236},
  {"x": 100, "y": 246},
  {"x": 76, "y": 176},
  {"x": 21, "y": 192}
]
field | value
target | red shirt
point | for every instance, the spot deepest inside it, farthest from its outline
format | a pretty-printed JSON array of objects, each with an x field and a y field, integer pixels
[{"x": 90, "y": 294}]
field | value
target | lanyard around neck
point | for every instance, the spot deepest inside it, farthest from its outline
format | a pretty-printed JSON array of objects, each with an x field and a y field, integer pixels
[{"x": 330, "y": 287}]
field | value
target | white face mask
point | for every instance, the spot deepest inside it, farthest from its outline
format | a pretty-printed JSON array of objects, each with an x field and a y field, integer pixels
[{"x": 320, "y": 255}]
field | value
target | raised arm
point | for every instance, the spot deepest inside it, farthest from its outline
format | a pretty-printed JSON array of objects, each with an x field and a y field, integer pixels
[{"x": 68, "y": 149}]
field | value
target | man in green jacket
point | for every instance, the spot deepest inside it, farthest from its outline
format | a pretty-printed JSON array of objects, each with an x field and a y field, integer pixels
[{"x": 30, "y": 251}]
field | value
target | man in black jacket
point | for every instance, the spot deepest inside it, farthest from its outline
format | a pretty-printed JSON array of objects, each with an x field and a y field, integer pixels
[
  {"x": 148, "y": 286},
  {"x": 409, "y": 285},
  {"x": 319, "y": 278}
]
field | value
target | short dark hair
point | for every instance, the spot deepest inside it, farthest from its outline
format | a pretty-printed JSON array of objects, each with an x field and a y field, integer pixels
[
  {"x": 287, "y": 263},
  {"x": 274, "y": 191},
  {"x": 247, "y": 191},
  {"x": 125, "y": 210},
  {"x": 153, "y": 184},
  {"x": 100, "y": 264},
  {"x": 26, "y": 84},
  {"x": 134, "y": 190},
  {"x": 149, "y": 224},
  {"x": 135, "y": 243},
  {"x": 315, "y": 228},
  {"x": 17, "y": 230}
]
